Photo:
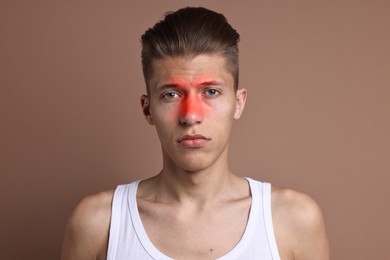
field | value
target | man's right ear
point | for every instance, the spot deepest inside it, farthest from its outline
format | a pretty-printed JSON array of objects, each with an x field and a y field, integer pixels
[{"x": 145, "y": 103}]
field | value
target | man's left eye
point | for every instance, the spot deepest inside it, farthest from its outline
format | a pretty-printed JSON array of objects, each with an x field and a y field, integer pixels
[{"x": 212, "y": 92}]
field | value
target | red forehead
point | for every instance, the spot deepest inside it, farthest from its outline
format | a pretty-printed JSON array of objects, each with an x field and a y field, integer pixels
[{"x": 197, "y": 80}]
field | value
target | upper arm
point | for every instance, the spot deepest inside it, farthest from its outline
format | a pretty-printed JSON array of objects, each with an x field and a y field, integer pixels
[
  {"x": 86, "y": 234},
  {"x": 300, "y": 222}
]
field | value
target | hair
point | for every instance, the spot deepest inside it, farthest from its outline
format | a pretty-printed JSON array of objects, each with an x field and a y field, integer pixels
[{"x": 189, "y": 32}]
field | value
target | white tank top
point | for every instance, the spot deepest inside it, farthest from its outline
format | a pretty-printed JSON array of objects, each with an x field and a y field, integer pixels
[{"x": 128, "y": 239}]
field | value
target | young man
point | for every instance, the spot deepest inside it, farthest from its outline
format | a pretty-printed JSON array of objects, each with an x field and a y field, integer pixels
[{"x": 195, "y": 208}]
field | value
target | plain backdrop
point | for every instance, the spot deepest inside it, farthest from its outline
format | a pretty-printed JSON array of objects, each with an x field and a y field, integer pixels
[{"x": 317, "y": 117}]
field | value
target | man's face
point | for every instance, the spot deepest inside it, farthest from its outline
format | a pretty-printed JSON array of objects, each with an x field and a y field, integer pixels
[{"x": 192, "y": 103}]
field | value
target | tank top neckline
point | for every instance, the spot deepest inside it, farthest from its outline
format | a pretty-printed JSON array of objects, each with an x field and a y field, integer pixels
[{"x": 157, "y": 254}]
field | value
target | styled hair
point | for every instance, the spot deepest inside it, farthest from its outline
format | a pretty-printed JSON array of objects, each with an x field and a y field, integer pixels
[{"x": 189, "y": 32}]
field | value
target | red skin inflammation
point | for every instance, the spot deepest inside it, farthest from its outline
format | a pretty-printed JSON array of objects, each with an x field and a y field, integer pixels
[{"x": 193, "y": 99}]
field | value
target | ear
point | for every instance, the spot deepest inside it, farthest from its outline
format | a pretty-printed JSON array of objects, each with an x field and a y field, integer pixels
[
  {"x": 145, "y": 104},
  {"x": 241, "y": 95}
]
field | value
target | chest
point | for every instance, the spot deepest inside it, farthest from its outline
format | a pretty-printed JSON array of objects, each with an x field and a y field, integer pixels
[{"x": 205, "y": 234}]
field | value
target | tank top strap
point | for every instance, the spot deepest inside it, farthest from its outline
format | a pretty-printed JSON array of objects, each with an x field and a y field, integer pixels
[
  {"x": 267, "y": 190},
  {"x": 118, "y": 201}
]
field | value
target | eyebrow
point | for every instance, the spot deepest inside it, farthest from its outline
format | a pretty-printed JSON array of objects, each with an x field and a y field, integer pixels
[
  {"x": 210, "y": 83},
  {"x": 204, "y": 83},
  {"x": 168, "y": 86}
]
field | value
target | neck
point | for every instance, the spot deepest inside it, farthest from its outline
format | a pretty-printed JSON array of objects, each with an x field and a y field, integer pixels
[{"x": 200, "y": 187}]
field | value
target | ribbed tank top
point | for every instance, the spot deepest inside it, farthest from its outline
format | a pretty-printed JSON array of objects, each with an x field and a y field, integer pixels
[{"x": 128, "y": 239}]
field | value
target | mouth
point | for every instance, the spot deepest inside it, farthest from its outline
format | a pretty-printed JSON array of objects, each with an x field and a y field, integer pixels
[{"x": 193, "y": 141}]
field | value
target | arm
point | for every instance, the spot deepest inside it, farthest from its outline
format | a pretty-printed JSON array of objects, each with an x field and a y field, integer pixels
[
  {"x": 86, "y": 235},
  {"x": 299, "y": 226}
]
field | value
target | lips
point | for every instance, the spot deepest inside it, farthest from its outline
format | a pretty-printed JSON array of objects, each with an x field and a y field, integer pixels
[{"x": 193, "y": 141}]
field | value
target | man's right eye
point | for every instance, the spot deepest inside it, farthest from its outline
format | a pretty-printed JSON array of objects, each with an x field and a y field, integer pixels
[{"x": 170, "y": 95}]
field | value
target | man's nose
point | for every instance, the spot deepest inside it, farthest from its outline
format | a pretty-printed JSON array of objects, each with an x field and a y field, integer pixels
[{"x": 191, "y": 111}]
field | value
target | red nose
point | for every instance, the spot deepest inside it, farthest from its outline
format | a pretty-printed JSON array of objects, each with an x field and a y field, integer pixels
[{"x": 191, "y": 110}]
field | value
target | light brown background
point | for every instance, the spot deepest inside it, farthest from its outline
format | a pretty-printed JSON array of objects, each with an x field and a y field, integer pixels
[{"x": 317, "y": 118}]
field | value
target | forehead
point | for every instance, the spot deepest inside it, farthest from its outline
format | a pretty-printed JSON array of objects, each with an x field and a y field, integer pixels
[{"x": 190, "y": 71}]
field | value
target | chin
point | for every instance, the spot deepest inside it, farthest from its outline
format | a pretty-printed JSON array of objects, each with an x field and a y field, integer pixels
[{"x": 192, "y": 160}]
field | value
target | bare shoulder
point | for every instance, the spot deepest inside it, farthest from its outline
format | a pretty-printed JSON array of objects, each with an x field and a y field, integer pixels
[
  {"x": 86, "y": 235},
  {"x": 296, "y": 205},
  {"x": 299, "y": 225}
]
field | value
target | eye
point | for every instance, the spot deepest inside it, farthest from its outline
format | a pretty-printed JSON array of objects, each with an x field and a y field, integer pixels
[
  {"x": 170, "y": 95},
  {"x": 212, "y": 92}
]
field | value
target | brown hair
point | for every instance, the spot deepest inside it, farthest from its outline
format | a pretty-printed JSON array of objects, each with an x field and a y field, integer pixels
[{"x": 189, "y": 32}]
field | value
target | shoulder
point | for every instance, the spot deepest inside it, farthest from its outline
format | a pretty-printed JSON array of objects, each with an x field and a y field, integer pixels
[
  {"x": 86, "y": 235},
  {"x": 299, "y": 223},
  {"x": 92, "y": 209},
  {"x": 296, "y": 205}
]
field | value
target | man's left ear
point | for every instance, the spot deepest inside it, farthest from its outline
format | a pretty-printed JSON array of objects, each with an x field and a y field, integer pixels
[{"x": 241, "y": 95}]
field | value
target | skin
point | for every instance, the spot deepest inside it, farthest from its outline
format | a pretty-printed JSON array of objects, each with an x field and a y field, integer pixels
[{"x": 196, "y": 208}]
